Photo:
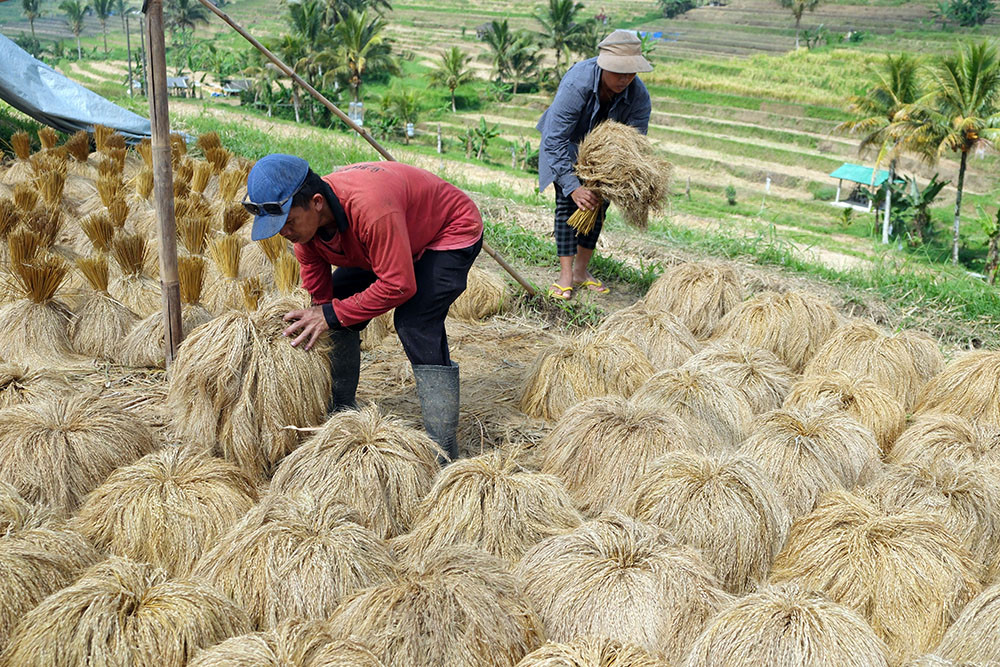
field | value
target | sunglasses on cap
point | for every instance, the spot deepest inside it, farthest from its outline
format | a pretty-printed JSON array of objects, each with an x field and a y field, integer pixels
[{"x": 265, "y": 208}]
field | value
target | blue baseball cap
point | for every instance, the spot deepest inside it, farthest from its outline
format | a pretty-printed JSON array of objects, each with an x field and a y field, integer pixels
[{"x": 273, "y": 180}]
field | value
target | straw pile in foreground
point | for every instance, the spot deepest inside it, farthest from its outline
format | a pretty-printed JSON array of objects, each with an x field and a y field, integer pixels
[
  {"x": 969, "y": 387},
  {"x": 758, "y": 374},
  {"x": 973, "y": 637},
  {"x": 617, "y": 578},
  {"x": 375, "y": 463},
  {"x": 935, "y": 437},
  {"x": 588, "y": 651},
  {"x": 786, "y": 626},
  {"x": 20, "y": 384},
  {"x": 457, "y": 606},
  {"x": 698, "y": 293},
  {"x": 903, "y": 572},
  {"x": 600, "y": 447},
  {"x": 724, "y": 506},
  {"x": 666, "y": 342},
  {"x": 484, "y": 296},
  {"x": 33, "y": 327},
  {"x": 576, "y": 369}
]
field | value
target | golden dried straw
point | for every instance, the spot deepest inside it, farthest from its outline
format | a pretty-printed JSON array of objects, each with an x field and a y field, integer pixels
[
  {"x": 618, "y": 578},
  {"x": 972, "y": 638},
  {"x": 76, "y": 439},
  {"x": 200, "y": 177},
  {"x": 114, "y": 141},
  {"x": 78, "y": 146},
  {"x": 117, "y": 157},
  {"x": 590, "y": 651},
  {"x": 178, "y": 145},
  {"x": 45, "y": 222},
  {"x": 809, "y": 452},
  {"x": 39, "y": 280},
  {"x": 145, "y": 150},
  {"x": 166, "y": 509},
  {"x": 575, "y": 369},
  {"x": 758, "y": 374},
  {"x": 788, "y": 625},
  {"x": 234, "y": 216},
  {"x": 286, "y": 275},
  {"x": 902, "y": 571},
  {"x": 110, "y": 188},
  {"x": 142, "y": 183},
  {"x": 585, "y": 449},
  {"x": 252, "y": 291},
  {"x": 372, "y": 335},
  {"x": 122, "y": 612},
  {"x": 108, "y": 168},
  {"x": 100, "y": 230},
  {"x": 793, "y": 325},
  {"x": 492, "y": 503},
  {"x": 16, "y": 514},
  {"x": 218, "y": 158},
  {"x": 274, "y": 247},
  {"x": 191, "y": 272},
  {"x": 208, "y": 141},
  {"x": 485, "y": 295},
  {"x": 184, "y": 172},
  {"x": 698, "y": 293},
  {"x": 25, "y": 197},
  {"x": 21, "y": 384},
  {"x": 47, "y": 137},
  {"x": 101, "y": 135},
  {"x": 100, "y": 324},
  {"x": 666, "y": 342},
  {"x": 295, "y": 557},
  {"x": 95, "y": 270},
  {"x": 480, "y": 617},
  {"x": 192, "y": 206},
  {"x": 9, "y": 217},
  {"x": 50, "y": 184},
  {"x": 619, "y": 165},
  {"x": 23, "y": 246},
  {"x": 225, "y": 293},
  {"x": 726, "y": 506},
  {"x": 20, "y": 141},
  {"x": 118, "y": 211},
  {"x": 181, "y": 189},
  {"x": 132, "y": 287},
  {"x": 969, "y": 386},
  {"x": 230, "y": 182},
  {"x": 936, "y": 437},
  {"x": 377, "y": 464}
]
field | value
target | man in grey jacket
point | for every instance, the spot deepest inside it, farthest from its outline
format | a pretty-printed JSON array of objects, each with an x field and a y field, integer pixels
[{"x": 591, "y": 91}]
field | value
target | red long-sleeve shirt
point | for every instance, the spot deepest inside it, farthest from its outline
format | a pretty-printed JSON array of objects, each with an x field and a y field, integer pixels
[{"x": 394, "y": 213}]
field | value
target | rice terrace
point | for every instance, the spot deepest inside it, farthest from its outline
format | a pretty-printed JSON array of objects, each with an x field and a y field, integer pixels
[{"x": 760, "y": 427}]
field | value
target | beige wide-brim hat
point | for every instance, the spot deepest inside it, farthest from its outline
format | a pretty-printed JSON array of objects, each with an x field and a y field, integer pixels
[{"x": 621, "y": 53}]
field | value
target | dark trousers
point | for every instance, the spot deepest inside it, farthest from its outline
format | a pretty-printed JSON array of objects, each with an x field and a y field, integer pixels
[
  {"x": 567, "y": 238},
  {"x": 441, "y": 277}
]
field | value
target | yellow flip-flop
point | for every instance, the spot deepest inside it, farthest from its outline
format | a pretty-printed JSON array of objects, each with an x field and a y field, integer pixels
[
  {"x": 564, "y": 294},
  {"x": 594, "y": 286}
]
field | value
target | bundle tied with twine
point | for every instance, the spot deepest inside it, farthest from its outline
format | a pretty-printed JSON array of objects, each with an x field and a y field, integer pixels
[
  {"x": 485, "y": 295},
  {"x": 259, "y": 257},
  {"x": 224, "y": 292},
  {"x": 100, "y": 232},
  {"x": 166, "y": 509},
  {"x": 456, "y": 606},
  {"x": 376, "y": 463},
  {"x": 698, "y": 293},
  {"x": 20, "y": 142},
  {"x": 969, "y": 386},
  {"x": 294, "y": 557},
  {"x": 22, "y": 384},
  {"x": 121, "y": 612},
  {"x": 618, "y": 578},
  {"x": 33, "y": 327},
  {"x": 101, "y": 322},
  {"x": 757, "y": 373},
  {"x": 937, "y": 437},
  {"x": 618, "y": 163},
  {"x": 490, "y": 502},
  {"x": 132, "y": 286},
  {"x": 666, "y": 342}
]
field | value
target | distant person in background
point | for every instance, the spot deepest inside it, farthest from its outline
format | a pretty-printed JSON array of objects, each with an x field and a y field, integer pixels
[{"x": 592, "y": 91}]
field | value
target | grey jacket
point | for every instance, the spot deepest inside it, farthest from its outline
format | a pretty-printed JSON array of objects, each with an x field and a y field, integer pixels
[{"x": 571, "y": 116}]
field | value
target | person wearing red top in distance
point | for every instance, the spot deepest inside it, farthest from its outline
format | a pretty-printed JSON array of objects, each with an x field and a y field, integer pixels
[{"x": 399, "y": 237}]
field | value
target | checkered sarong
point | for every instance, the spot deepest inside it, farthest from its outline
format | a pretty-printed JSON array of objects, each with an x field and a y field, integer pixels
[{"x": 567, "y": 238}]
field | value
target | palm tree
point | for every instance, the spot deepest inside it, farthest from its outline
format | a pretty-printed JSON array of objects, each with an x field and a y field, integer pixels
[
  {"x": 799, "y": 8},
  {"x": 305, "y": 17},
  {"x": 961, "y": 113},
  {"x": 75, "y": 12},
  {"x": 404, "y": 105},
  {"x": 184, "y": 14},
  {"x": 522, "y": 59},
  {"x": 32, "y": 10},
  {"x": 335, "y": 10},
  {"x": 103, "y": 9},
  {"x": 499, "y": 38},
  {"x": 361, "y": 50},
  {"x": 559, "y": 25},
  {"x": 121, "y": 7},
  {"x": 452, "y": 71}
]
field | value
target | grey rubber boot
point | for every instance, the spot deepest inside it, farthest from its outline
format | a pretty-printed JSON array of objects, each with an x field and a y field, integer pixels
[
  {"x": 437, "y": 388},
  {"x": 345, "y": 368}
]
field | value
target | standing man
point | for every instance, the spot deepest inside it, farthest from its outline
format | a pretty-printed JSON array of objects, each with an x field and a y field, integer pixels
[
  {"x": 592, "y": 91},
  {"x": 400, "y": 238}
]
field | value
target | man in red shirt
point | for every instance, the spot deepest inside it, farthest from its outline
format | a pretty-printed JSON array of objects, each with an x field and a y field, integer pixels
[{"x": 399, "y": 237}]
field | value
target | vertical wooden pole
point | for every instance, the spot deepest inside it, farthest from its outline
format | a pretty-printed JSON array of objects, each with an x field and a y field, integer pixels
[
  {"x": 128, "y": 53},
  {"x": 163, "y": 178}
]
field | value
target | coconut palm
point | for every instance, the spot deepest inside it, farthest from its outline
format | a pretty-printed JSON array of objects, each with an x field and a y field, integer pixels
[
  {"x": 121, "y": 8},
  {"x": 452, "y": 71},
  {"x": 403, "y": 105},
  {"x": 32, "y": 10},
  {"x": 305, "y": 17},
  {"x": 184, "y": 14},
  {"x": 522, "y": 59},
  {"x": 499, "y": 38},
  {"x": 103, "y": 9},
  {"x": 335, "y": 10},
  {"x": 961, "y": 113},
  {"x": 560, "y": 26},
  {"x": 799, "y": 8},
  {"x": 75, "y": 13},
  {"x": 361, "y": 50}
]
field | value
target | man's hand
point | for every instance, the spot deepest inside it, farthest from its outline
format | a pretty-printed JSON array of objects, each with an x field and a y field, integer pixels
[
  {"x": 585, "y": 199},
  {"x": 311, "y": 323}
]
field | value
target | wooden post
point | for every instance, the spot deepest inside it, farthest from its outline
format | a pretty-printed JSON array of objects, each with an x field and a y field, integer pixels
[
  {"x": 128, "y": 53},
  {"x": 163, "y": 178},
  {"x": 885, "y": 220},
  {"x": 837, "y": 198}
]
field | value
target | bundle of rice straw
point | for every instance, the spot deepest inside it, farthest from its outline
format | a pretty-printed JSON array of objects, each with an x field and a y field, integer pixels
[
  {"x": 101, "y": 323},
  {"x": 294, "y": 643},
  {"x": 121, "y": 612},
  {"x": 713, "y": 410},
  {"x": 20, "y": 142},
  {"x": 618, "y": 578},
  {"x": 665, "y": 341},
  {"x": 200, "y": 176},
  {"x": 973, "y": 637},
  {"x": 787, "y": 626},
  {"x": 618, "y": 163},
  {"x": 964, "y": 497},
  {"x": 809, "y": 452},
  {"x": 259, "y": 258},
  {"x": 99, "y": 232},
  {"x": 575, "y": 369},
  {"x": 870, "y": 404},
  {"x": 224, "y": 293},
  {"x": 589, "y": 651},
  {"x": 756, "y": 373},
  {"x": 232, "y": 185},
  {"x": 192, "y": 232},
  {"x": 485, "y": 295},
  {"x": 903, "y": 571},
  {"x": 937, "y": 437},
  {"x": 602, "y": 446},
  {"x": 166, "y": 509},
  {"x": 377, "y": 464},
  {"x": 237, "y": 382},
  {"x": 456, "y": 606},
  {"x": 21, "y": 384},
  {"x": 900, "y": 364},
  {"x": 33, "y": 327},
  {"x": 132, "y": 286},
  {"x": 78, "y": 146},
  {"x": 373, "y": 334},
  {"x": 50, "y": 179},
  {"x": 725, "y": 506},
  {"x": 490, "y": 502},
  {"x": 56, "y": 450},
  {"x": 969, "y": 387},
  {"x": 16, "y": 513},
  {"x": 292, "y": 556},
  {"x": 793, "y": 325},
  {"x": 698, "y": 293}
]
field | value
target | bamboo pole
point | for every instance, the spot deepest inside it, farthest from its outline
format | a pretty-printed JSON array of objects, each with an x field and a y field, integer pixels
[
  {"x": 289, "y": 72},
  {"x": 163, "y": 179}
]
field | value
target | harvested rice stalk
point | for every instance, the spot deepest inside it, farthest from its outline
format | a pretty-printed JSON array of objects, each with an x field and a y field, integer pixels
[
  {"x": 101, "y": 323},
  {"x": 969, "y": 387},
  {"x": 208, "y": 141},
  {"x": 47, "y": 137},
  {"x": 9, "y": 217},
  {"x": 178, "y": 145},
  {"x": 142, "y": 183},
  {"x": 133, "y": 288},
  {"x": 665, "y": 341},
  {"x": 192, "y": 206},
  {"x": 121, "y": 612},
  {"x": 100, "y": 230},
  {"x": 230, "y": 183},
  {"x": 50, "y": 184},
  {"x": 145, "y": 150},
  {"x": 44, "y": 222},
  {"x": 619, "y": 165},
  {"x": 118, "y": 212},
  {"x": 20, "y": 384},
  {"x": 273, "y": 247},
  {"x": 16, "y": 514},
  {"x": 110, "y": 188},
  {"x": 115, "y": 141},
  {"x": 377, "y": 464},
  {"x": 166, "y": 509},
  {"x": 789, "y": 627},
  {"x": 108, "y": 169},
  {"x": 698, "y": 293},
  {"x": 25, "y": 197},
  {"x": 101, "y": 136},
  {"x": 234, "y": 216},
  {"x": 903, "y": 572},
  {"x": 20, "y": 142},
  {"x": 973, "y": 636},
  {"x": 200, "y": 177},
  {"x": 184, "y": 172},
  {"x": 33, "y": 326},
  {"x": 218, "y": 158},
  {"x": 181, "y": 189},
  {"x": 372, "y": 335},
  {"x": 224, "y": 293},
  {"x": 481, "y": 618},
  {"x": 117, "y": 157},
  {"x": 295, "y": 557},
  {"x": 56, "y": 450},
  {"x": 255, "y": 260},
  {"x": 23, "y": 246},
  {"x": 589, "y": 651},
  {"x": 585, "y": 449},
  {"x": 78, "y": 146},
  {"x": 937, "y": 437},
  {"x": 758, "y": 374},
  {"x": 286, "y": 273},
  {"x": 484, "y": 297}
]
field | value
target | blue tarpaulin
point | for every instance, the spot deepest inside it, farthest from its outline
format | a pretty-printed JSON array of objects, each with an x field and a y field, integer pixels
[{"x": 34, "y": 88}]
